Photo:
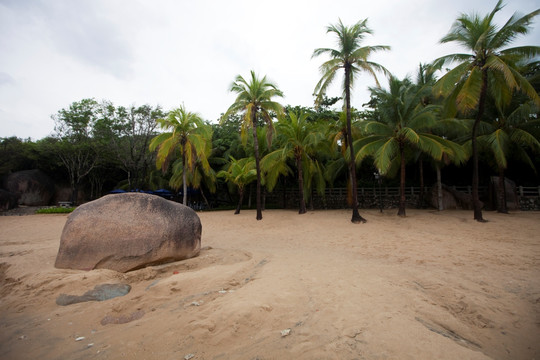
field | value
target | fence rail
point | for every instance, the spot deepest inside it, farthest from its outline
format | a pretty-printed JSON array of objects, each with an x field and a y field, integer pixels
[
  {"x": 528, "y": 191},
  {"x": 409, "y": 190}
]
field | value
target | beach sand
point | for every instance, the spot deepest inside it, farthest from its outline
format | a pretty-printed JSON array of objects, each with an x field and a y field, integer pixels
[{"x": 433, "y": 285}]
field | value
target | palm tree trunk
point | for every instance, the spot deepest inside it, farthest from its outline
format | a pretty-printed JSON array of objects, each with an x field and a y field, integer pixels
[
  {"x": 302, "y": 209},
  {"x": 475, "y": 179},
  {"x": 204, "y": 198},
  {"x": 257, "y": 165},
  {"x": 184, "y": 177},
  {"x": 421, "y": 196},
  {"x": 501, "y": 199},
  {"x": 401, "y": 210},
  {"x": 439, "y": 189},
  {"x": 239, "y": 206},
  {"x": 356, "y": 218}
]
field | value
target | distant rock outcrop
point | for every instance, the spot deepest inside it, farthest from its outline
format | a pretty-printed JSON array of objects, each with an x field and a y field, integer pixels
[
  {"x": 125, "y": 232},
  {"x": 32, "y": 187},
  {"x": 8, "y": 200},
  {"x": 452, "y": 199}
]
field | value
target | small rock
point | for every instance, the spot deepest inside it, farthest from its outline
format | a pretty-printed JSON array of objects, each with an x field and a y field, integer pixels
[
  {"x": 285, "y": 332},
  {"x": 90, "y": 345},
  {"x": 189, "y": 356},
  {"x": 79, "y": 338},
  {"x": 195, "y": 303},
  {"x": 222, "y": 291}
]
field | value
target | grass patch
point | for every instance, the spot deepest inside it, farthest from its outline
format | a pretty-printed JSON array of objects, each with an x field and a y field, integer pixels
[{"x": 55, "y": 210}]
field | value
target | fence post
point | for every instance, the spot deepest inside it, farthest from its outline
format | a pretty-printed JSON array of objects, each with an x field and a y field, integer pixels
[{"x": 521, "y": 191}]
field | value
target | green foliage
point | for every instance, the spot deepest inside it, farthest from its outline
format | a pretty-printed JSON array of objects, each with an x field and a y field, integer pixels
[
  {"x": 55, "y": 210},
  {"x": 255, "y": 100},
  {"x": 188, "y": 142}
]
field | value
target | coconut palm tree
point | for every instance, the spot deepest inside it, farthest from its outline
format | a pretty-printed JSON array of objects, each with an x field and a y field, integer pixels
[
  {"x": 404, "y": 124},
  {"x": 189, "y": 135},
  {"x": 488, "y": 68},
  {"x": 336, "y": 138},
  {"x": 353, "y": 59},
  {"x": 300, "y": 140},
  {"x": 239, "y": 173},
  {"x": 512, "y": 129},
  {"x": 254, "y": 98},
  {"x": 201, "y": 173}
]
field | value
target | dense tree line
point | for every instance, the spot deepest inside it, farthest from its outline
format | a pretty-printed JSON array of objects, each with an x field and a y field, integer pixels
[{"x": 479, "y": 117}]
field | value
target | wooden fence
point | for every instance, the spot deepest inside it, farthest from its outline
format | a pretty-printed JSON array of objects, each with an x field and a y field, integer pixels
[{"x": 387, "y": 197}]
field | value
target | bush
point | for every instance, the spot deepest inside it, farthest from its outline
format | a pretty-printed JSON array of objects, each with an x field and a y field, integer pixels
[{"x": 55, "y": 210}]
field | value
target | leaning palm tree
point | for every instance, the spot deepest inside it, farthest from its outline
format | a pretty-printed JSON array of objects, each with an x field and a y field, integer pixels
[
  {"x": 239, "y": 173},
  {"x": 404, "y": 124},
  {"x": 352, "y": 58},
  {"x": 188, "y": 135},
  {"x": 254, "y": 98},
  {"x": 488, "y": 68}
]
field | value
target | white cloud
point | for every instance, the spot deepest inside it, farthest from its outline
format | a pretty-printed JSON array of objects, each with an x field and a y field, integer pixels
[{"x": 171, "y": 52}]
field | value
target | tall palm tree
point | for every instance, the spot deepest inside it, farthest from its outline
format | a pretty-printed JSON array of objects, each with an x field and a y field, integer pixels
[
  {"x": 404, "y": 124},
  {"x": 189, "y": 135},
  {"x": 299, "y": 142},
  {"x": 254, "y": 98},
  {"x": 489, "y": 67},
  {"x": 239, "y": 173},
  {"x": 352, "y": 58}
]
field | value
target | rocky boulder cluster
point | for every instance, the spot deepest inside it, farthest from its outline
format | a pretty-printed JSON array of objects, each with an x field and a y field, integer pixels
[{"x": 27, "y": 187}]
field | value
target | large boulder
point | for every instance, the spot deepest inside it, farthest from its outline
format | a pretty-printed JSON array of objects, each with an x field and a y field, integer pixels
[
  {"x": 33, "y": 187},
  {"x": 129, "y": 231}
]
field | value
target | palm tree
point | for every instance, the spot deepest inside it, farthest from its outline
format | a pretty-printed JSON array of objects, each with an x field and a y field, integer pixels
[
  {"x": 189, "y": 135},
  {"x": 336, "y": 138},
  {"x": 404, "y": 124},
  {"x": 240, "y": 173},
  {"x": 254, "y": 98},
  {"x": 512, "y": 128},
  {"x": 201, "y": 173},
  {"x": 300, "y": 140},
  {"x": 487, "y": 68},
  {"x": 352, "y": 58}
]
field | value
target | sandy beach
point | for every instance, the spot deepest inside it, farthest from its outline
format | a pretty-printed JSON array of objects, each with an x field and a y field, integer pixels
[{"x": 433, "y": 285}]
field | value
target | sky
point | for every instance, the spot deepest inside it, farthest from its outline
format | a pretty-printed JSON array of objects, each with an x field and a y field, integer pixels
[{"x": 173, "y": 52}]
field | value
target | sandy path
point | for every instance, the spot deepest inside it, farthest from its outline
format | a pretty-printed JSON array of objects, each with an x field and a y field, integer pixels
[{"x": 432, "y": 285}]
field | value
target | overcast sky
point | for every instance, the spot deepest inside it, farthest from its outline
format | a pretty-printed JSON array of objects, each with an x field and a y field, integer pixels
[{"x": 166, "y": 52}]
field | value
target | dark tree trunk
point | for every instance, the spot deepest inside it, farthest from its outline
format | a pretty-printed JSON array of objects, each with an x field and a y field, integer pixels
[
  {"x": 257, "y": 163},
  {"x": 356, "y": 218},
  {"x": 439, "y": 189},
  {"x": 401, "y": 210},
  {"x": 285, "y": 193},
  {"x": 239, "y": 206},
  {"x": 302, "y": 209},
  {"x": 205, "y": 199},
  {"x": 421, "y": 196},
  {"x": 501, "y": 199},
  {"x": 475, "y": 178},
  {"x": 184, "y": 177}
]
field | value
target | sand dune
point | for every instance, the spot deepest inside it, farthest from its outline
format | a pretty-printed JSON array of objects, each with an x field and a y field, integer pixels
[{"x": 314, "y": 286}]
